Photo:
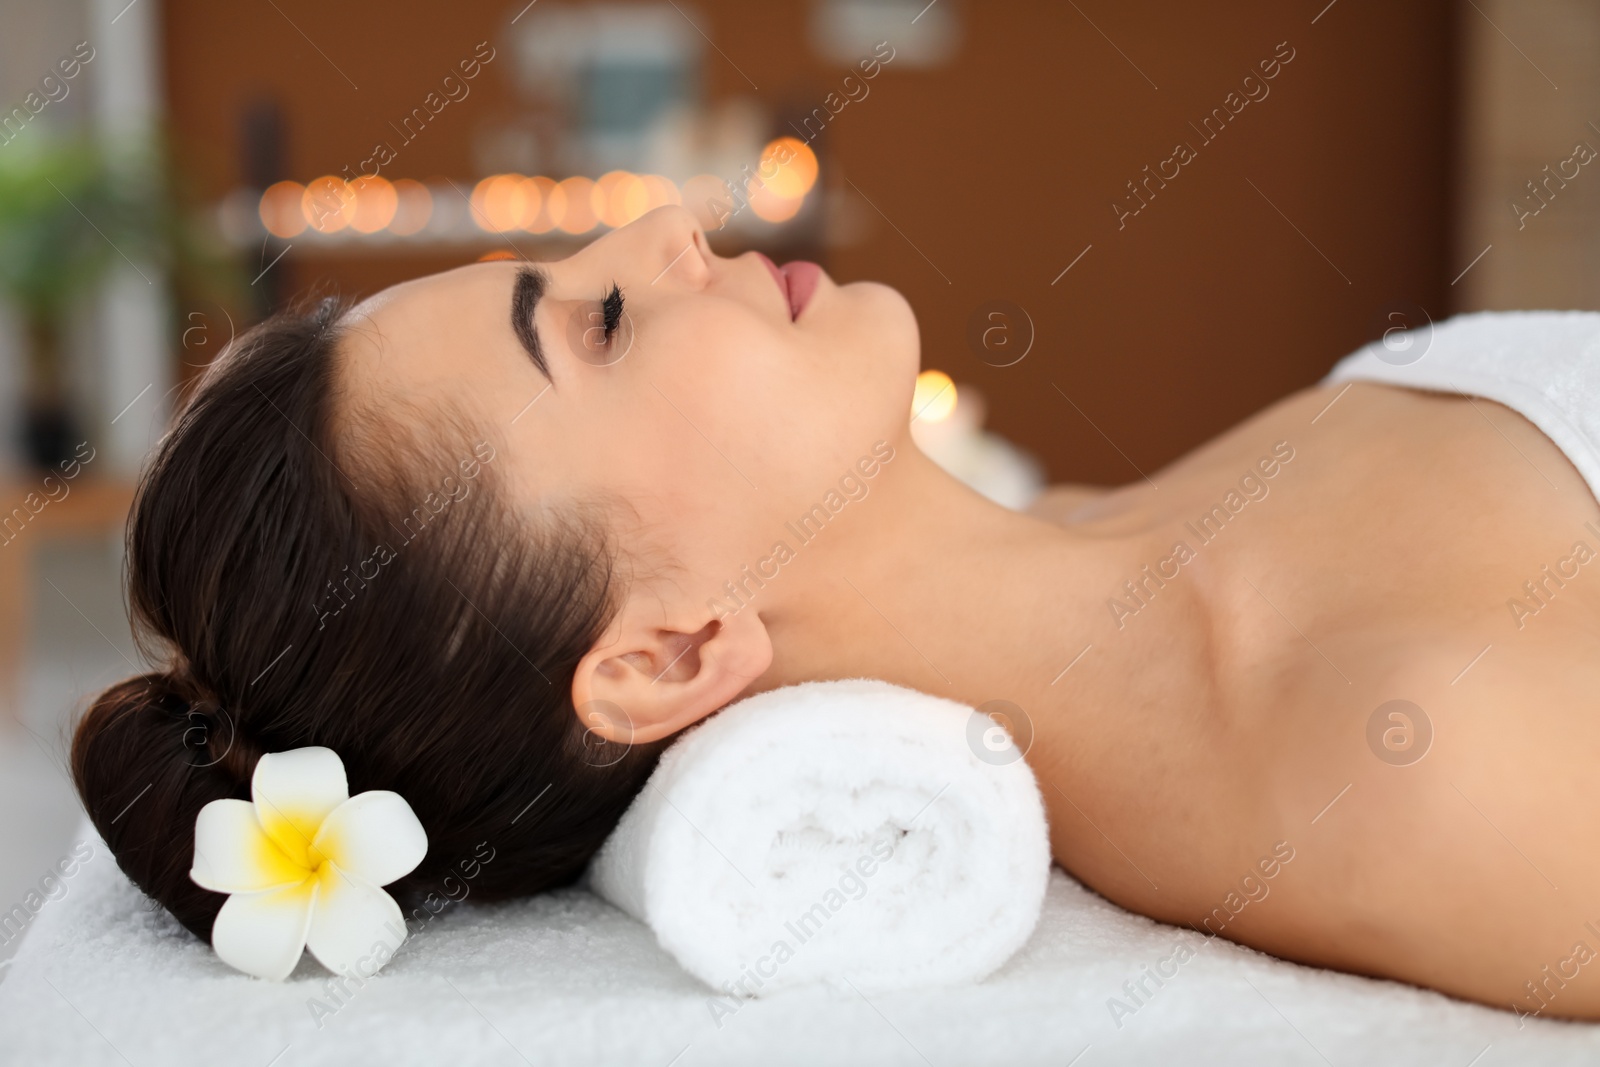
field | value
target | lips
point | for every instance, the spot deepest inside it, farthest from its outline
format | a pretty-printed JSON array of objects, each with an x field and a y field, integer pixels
[
  {"x": 802, "y": 278},
  {"x": 797, "y": 282}
]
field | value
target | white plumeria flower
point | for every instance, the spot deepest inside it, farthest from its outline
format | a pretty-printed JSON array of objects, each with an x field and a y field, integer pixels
[{"x": 303, "y": 862}]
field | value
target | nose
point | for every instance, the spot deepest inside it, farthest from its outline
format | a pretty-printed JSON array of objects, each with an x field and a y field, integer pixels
[{"x": 671, "y": 243}]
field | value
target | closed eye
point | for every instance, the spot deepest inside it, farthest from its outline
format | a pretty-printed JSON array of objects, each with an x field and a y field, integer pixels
[{"x": 611, "y": 310}]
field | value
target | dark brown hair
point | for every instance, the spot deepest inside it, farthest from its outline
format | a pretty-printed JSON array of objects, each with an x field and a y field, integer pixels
[{"x": 316, "y": 573}]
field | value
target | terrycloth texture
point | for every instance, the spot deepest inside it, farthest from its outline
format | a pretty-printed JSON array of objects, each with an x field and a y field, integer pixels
[
  {"x": 1545, "y": 365},
  {"x": 567, "y": 979},
  {"x": 836, "y": 831}
]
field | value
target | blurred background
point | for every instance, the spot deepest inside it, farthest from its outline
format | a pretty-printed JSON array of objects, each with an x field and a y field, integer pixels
[{"x": 1123, "y": 226}]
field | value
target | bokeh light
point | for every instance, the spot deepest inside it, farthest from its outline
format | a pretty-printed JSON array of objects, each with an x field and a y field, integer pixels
[
  {"x": 793, "y": 179},
  {"x": 621, "y": 197},
  {"x": 413, "y": 207},
  {"x": 328, "y": 204},
  {"x": 772, "y": 207},
  {"x": 376, "y": 203},
  {"x": 579, "y": 214},
  {"x": 934, "y": 397},
  {"x": 532, "y": 192},
  {"x": 552, "y": 202},
  {"x": 280, "y": 209},
  {"x": 662, "y": 191},
  {"x": 504, "y": 202}
]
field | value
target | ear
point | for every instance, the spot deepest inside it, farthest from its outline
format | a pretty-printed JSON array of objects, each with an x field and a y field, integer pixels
[{"x": 650, "y": 677}]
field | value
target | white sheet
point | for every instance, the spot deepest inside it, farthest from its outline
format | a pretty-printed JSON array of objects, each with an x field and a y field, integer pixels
[{"x": 568, "y": 979}]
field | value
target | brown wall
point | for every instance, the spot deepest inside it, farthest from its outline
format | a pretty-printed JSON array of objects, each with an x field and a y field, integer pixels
[
  {"x": 1526, "y": 111},
  {"x": 1000, "y": 168}
]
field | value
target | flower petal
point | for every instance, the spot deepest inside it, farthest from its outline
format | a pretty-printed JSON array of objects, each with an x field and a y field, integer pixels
[
  {"x": 263, "y": 933},
  {"x": 373, "y": 835},
  {"x": 356, "y": 926},
  {"x": 294, "y": 791},
  {"x": 232, "y": 854}
]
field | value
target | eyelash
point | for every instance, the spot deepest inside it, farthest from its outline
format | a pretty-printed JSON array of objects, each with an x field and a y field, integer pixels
[{"x": 611, "y": 310}]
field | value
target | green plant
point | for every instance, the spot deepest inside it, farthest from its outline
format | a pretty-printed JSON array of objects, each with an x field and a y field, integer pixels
[{"x": 70, "y": 210}]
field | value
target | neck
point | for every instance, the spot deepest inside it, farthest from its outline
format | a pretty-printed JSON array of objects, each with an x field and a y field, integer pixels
[{"x": 928, "y": 585}]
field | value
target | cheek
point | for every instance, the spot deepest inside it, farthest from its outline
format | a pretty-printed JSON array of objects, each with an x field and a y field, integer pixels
[
  {"x": 719, "y": 424},
  {"x": 808, "y": 402},
  {"x": 683, "y": 424}
]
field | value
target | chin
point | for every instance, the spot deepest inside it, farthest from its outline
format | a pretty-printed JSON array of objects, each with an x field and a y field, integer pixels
[
  {"x": 875, "y": 351},
  {"x": 894, "y": 357},
  {"x": 895, "y": 339}
]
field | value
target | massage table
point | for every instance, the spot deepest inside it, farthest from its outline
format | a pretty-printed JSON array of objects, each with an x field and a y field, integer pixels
[{"x": 565, "y": 978}]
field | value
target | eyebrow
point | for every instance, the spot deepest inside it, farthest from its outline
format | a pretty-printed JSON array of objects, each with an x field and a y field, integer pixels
[{"x": 525, "y": 294}]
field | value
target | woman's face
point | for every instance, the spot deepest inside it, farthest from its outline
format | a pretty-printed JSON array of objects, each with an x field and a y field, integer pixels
[{"x": 714, "y": 410}]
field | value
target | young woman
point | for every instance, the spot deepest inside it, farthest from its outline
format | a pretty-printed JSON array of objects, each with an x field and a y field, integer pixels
[{"x": 495, "y": 535}]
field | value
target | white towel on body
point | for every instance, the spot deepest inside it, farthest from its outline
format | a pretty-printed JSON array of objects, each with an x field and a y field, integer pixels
[{"x": 1545, "y": 365}]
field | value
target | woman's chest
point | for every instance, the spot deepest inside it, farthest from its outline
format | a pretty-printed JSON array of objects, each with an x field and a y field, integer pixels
[{"x": 1401, "y": 611}]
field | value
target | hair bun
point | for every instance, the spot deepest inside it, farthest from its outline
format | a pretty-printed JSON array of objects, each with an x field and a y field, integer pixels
[
  {"x": 148, "y": 755},
  {"x": 212, "y": 734}
]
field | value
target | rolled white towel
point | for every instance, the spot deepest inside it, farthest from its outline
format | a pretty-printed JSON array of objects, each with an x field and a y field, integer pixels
[{"x": 835, "y": 831}]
